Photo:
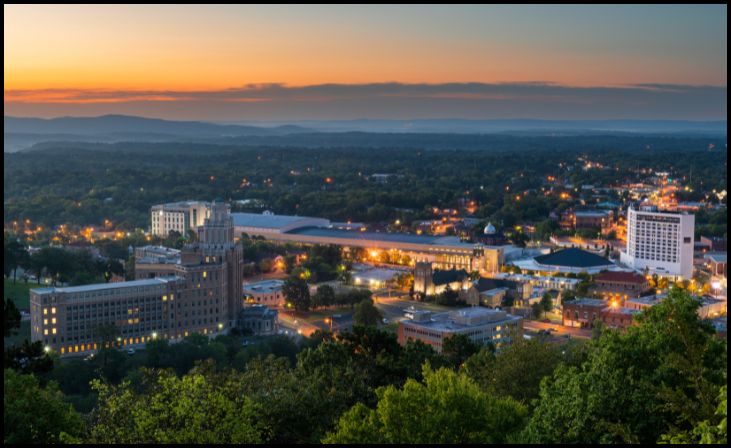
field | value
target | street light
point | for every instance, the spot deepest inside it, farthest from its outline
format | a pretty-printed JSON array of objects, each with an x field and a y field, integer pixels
[
  {"x": 329, "y": 320},
  {"x": 716, "y": 287}
]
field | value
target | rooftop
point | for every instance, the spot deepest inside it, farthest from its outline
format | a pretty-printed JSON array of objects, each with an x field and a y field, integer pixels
[
  {"x": 486, "y": 284},
  {"x": 377, "y": 275},
  {"x": 591, "y": 214},
  {"x": 441, "y": 277},
  {"x": 464, "y": 318},
  {"x": 264, "y": 286},
  {"x": 181, "y": 204},
  {"x": 450, "y": 241},
  {"x": 269, "y": 221},
  {"x": 588, "y": 302},
  {"x": 257, "y": 311},
  {"x": 107, "y": 286},
  {"x": 716, "y": 257},
  {"x": 574, "y": 258},
  {"x": 617, "y": 276}
]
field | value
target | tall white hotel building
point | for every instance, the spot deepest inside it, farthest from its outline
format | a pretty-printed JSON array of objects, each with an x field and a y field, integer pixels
[{"x": 660, "y": 242}]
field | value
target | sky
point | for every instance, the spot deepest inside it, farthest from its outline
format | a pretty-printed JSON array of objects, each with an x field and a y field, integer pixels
[{"x": 264, "y": 63}]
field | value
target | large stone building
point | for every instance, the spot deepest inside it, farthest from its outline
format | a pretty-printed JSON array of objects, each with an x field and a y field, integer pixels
[
  {"x": 201, "y": 292},
  {"x": 178, "y": 216},
  {"x": 428, "y": 281},
  {"x": 660, "y": 243}
]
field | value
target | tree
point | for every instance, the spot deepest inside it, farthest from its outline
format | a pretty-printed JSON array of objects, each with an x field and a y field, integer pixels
[
  {"x": 516, "y": 371},
  {"x": 11, "y": 318},
  {"x": 297, "y": 293},
  {"x": 673, "y": 361},
  {"x": 367, "y": 314},
  {"x": 457, "y": 348},
  {"x": 33, "y": 414},
  {"x": 546, "y": 302},
  {"x": 567, "y": 296},
  {"x": 16, "y": 256},
  {"x": 324, "y": 296},
  {"x": 447, "y": 407},
  {"x": 197, "y": 408},
  {"x": 28, "y": 358},
  {"x": 537, "y": 310},
  {"x": 707, "y": 431}
]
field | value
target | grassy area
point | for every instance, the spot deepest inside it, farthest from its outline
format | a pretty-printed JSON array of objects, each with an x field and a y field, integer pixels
[
  {"x": 18, "y": 292},
  {"x": 391, "y": 328},
  {"x": 23, "y": 333}
]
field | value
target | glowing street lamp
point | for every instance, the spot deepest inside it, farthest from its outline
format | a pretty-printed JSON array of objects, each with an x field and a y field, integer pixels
[{"x": 716, "y": 287}]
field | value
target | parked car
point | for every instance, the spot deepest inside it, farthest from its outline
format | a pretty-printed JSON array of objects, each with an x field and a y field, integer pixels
[
  {"x": 385, "y": 321},
  {"x": 130, "y": 351}
]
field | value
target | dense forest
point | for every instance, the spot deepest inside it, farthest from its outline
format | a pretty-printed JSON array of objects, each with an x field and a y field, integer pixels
[
  {"x": 85, "y": 183},
  {"x": 663, "y": 380}
]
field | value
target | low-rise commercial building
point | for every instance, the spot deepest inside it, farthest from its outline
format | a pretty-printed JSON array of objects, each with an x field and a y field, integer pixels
[
  {"x": 708, "y": 306},
  {"x": 266, "y": 292},
  {"x": 620, "y": 285},
  {"x": 480, "y": 325},
  {"x": 259, "y": 319}
]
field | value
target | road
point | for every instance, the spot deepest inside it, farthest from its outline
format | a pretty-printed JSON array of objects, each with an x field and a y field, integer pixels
[{"x": 534, "y": 325}]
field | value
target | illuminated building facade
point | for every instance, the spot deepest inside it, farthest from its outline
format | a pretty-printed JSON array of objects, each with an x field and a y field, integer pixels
[
  {"x": 660, "y": 243},
  {"x": 444, "y": 252},
  {"x": 203, "y": 295},
  {"x": 178, "y": 216},
  {"x": 480, "y": 325}
]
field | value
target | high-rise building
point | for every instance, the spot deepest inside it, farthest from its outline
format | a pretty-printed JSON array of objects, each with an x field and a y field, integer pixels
[
  {"x": 178, "y": 216},
  {"x": 201, "y": 292},
  {"x": 660, "y": 243}
]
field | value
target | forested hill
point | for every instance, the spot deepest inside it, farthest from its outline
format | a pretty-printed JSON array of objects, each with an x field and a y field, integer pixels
[
  {"x": 361, "y": 140},
  {"x": 83, "y": 184}
]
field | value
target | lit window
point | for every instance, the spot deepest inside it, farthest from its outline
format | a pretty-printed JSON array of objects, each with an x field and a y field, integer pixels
[
  {"x": 53, "y": 310},
  {"x": 45, "y": 332},
  {"x": 53, "y": 320},
  {"x": 54, "y": 331},
  {"x": 45, "y": 311},
  {"x": 45, "y": 321}
]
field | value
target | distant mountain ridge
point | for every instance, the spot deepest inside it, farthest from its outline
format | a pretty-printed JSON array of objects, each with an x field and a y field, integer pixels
[
  {"x": 123, "y": 124},
  {"x": 471, "y": 126},
  {"x": 22, "y": 133}
]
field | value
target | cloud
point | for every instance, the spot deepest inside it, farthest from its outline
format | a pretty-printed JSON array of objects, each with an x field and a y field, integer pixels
[{"x": 388, "y": 100}]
